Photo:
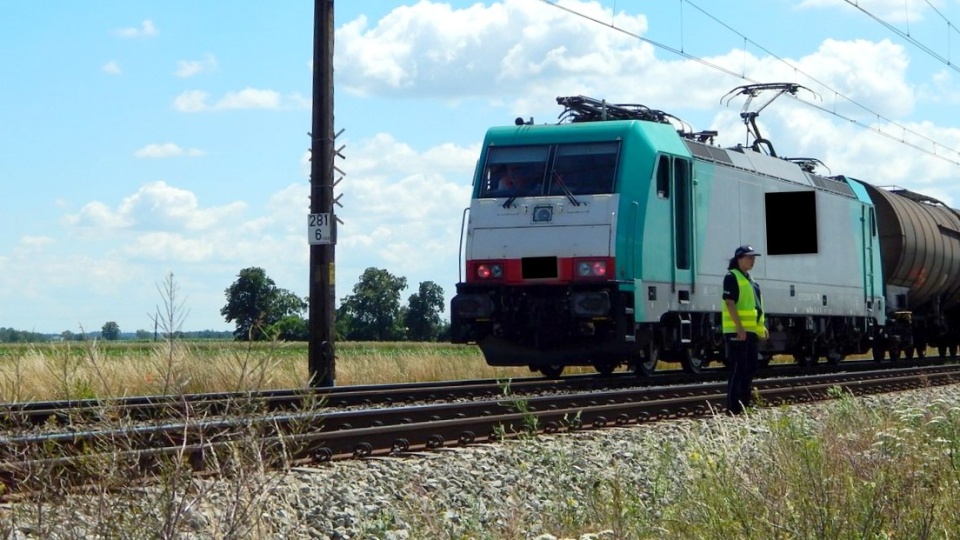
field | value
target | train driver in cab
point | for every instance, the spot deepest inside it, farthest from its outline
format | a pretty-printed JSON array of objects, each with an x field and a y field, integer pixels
[{"x": 516, "y": 179}]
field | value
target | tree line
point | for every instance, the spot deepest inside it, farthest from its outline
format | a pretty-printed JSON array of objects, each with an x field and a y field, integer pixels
[
  {"x": 260, "y": 310},
  {"x": 109, "y": 332}
]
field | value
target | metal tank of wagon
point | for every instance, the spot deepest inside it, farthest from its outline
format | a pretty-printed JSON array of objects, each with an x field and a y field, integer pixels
[{"x": 920, "y": 249}]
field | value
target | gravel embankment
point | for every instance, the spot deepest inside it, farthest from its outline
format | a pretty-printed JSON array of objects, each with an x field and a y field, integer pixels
[
  {"x": 505, "y": 487},
  {"x": 517, "y": 489}
]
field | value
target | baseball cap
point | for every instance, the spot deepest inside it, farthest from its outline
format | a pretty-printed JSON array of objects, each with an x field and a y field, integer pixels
[{"x": 745, "y": 251}]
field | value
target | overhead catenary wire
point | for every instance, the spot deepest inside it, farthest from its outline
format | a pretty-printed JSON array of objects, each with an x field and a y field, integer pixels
[
  {"x": 906, "y": 35},
  {"x": 935, "y": 144},
  {"x": 944, "y": 153}
]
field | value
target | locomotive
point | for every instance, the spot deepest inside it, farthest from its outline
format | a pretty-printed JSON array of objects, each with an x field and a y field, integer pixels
[{"x": 603, "y": 240}]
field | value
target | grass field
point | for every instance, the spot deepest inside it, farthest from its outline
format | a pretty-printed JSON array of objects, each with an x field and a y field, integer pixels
[
  {"x": 75, "y": 370},
  {"x": 104, "y": 369},
  {"x": 854, "y": 471},
  {"x": 857, "y": 470}
]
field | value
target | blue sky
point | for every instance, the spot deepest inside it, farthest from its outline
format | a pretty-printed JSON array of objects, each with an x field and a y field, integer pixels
[{"x": 139, "y": 139}]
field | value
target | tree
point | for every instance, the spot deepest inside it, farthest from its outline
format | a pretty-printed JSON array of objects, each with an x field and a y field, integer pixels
[
  {"x": 374, "y": 307},
  {"x": 343, "y": 322},
  {"x": 255, "y": 302},
  {"x": 422, "y": 317},
  {"x": 290, "y": 328},
  {"x": 110, "y": 331},
  {"x": 10, "y": 335}
]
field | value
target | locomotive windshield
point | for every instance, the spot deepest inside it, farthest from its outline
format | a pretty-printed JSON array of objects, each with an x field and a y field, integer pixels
[{"x": 561, "y": 169}]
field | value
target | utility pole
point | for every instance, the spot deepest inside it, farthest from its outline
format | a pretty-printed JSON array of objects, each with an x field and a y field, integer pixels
[{"x": 321, "y": 226}]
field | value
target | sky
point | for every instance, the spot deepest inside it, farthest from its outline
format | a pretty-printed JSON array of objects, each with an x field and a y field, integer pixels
[{"x": 140, "y": 140}]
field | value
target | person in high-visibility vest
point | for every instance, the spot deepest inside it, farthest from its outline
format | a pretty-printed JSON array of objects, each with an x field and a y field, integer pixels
[{"x": 743, "y": 326}]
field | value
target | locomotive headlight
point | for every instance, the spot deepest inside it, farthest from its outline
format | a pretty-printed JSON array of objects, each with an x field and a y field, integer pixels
[
  {"x": 542, "y": 214},
  {"x": 490, "y": 271},
  {"x": 590, "y": 304},
  {"x": 591, "y": 269}
]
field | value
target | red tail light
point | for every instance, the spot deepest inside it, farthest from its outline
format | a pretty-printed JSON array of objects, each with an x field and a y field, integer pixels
[
  {"x": 590, "y": 269},
  {"x": 489, "y": 271}
]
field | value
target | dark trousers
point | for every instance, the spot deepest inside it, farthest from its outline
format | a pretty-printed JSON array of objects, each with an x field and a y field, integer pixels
[{"x": 742, "y": 357}]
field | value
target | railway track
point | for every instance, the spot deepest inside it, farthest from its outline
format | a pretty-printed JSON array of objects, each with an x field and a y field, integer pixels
[
  {"x": 161, "y": 407},
  {"x": 322, "y": 434}
]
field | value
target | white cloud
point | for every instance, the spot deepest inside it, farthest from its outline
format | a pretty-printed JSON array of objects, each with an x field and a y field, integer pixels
[
  {"x": 147, "y": 29},
  {"x": 521, "y": 55},
  {"x": 504, "y": 49},
  {"x": 166, "y": 150},
  {"x": 96, "y": 214},
  {"x": 402, "y": 208},
  {"x": 112, "y": 68},
  {"x": 191, "y": 101},
  {"x": 168, "y": 246},
  {"x": 248, "y": 98},
  {"x": 30, "y": 243},
  {"x": 189, "y": 68},
  {"x": 155, "y": 206},
  {"x": 873, "y": 74}
]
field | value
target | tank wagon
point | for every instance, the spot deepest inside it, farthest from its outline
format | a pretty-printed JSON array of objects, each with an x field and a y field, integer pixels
[
  {"x": 920, "y": 248},
  {"x": 603, "y": 240}
]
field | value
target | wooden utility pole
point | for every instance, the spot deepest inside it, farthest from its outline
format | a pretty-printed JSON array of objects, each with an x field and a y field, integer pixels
[{"x": 322, "y": 223}]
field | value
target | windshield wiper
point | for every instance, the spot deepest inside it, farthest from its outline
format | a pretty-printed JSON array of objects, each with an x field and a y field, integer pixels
[{"x": 566, "y": 190}]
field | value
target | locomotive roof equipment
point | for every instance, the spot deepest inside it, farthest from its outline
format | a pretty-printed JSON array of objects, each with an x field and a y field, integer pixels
[{"x": 750, "y": 117}]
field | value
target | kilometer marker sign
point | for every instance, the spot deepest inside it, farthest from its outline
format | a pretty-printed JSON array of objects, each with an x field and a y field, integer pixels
[{"x": 319, "y": 229}]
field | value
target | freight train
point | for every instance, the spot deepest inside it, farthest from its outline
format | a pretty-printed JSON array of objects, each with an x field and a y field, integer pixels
[{"x": 602, "y": 240}]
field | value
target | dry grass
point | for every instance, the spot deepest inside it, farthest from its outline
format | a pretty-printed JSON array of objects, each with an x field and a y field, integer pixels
[
  {"x": 857, "y": 471},
  {"x": 102, "y": 369},
  {"x": 76, "y": 370}
]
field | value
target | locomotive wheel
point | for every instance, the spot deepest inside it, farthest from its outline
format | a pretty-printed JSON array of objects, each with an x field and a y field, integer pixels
[
  {"x": 692, "y": 362},
  {"x": 552, "y": 371},
  {"x": 605, "y": 368},
  {"x": 804, "y": 359},
  {"x": 804, "y": 355},
  {"x": 703, "y": 352},
  {"x": 834, "y": 357},
  {"x": 646, "y": 364}
]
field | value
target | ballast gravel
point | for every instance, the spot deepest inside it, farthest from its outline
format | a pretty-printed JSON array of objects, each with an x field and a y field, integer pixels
[
  {"x": 504, "y": 486},
  {"x": 508, "y": 486}
]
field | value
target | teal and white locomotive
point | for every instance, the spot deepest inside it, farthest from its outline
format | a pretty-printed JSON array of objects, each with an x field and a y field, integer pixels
[{"x": 603, "y": 241}]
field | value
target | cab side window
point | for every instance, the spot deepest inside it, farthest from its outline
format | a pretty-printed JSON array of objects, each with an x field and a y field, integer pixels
[{"x": 663, "y": 177}]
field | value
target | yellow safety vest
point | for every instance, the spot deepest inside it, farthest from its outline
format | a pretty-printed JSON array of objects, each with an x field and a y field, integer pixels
[{"x": 746, "y": 308}]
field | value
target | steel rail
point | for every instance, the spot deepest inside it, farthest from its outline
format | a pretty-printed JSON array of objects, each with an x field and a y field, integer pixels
[
  {"x": 364, "y": 433},
  {"x": 179, "y": 433},
  {"x": 160, "y": 407}
]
